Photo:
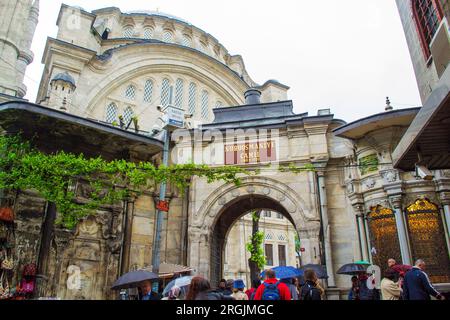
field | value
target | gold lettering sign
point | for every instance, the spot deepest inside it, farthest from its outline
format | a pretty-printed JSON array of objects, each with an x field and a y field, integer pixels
[{"x": 250, "y": 153}]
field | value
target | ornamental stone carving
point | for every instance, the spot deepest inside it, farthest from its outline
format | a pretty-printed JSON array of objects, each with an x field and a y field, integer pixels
[
  {"x": 370, "y": 183},
  {"x": 251, "y": 189},
  {"x": 390, "y": 176},
  {"x": 222, "y": 201},
  {"x": 235, "y": 193},
  {"x": 350, "y": 188}
]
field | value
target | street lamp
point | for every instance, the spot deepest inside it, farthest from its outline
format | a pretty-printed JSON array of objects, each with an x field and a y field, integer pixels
[{"x": 172, "y": 119}]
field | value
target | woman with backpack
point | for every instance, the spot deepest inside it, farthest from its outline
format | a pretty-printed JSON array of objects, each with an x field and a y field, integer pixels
[{"x": 310, "y": 291}]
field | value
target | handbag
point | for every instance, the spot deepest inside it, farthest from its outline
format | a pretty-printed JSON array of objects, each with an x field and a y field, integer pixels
[
  {"x": 7, "y": 264},
  {"x": 6, "y": 214},
  {"x": 27, "y": 286}
]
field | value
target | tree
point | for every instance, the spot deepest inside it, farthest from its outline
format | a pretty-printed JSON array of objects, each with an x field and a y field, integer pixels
[{"x": 257, "y": 259}]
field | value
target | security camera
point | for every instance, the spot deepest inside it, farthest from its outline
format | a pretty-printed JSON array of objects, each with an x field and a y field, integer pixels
[
  {"x": 159, "y": 108},
  {"x": 156, "y": 129},
  {"x": 424, "y": 173},
  {"x": 188, "y": 115}
]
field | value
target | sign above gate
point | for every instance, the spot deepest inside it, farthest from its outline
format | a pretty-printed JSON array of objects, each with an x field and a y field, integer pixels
[{"x": 250, "y": 152}]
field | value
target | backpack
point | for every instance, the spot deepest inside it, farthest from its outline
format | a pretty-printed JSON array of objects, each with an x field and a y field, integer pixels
[
  {"x": 307, "y": 292},
  {"x": 271, "y": 292}
]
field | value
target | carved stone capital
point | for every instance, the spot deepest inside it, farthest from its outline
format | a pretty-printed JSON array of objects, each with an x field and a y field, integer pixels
[
  {"x": 444, "y": 197},
  {"x": 359, "y": 208},
  {"x": 396, "y": 201}
]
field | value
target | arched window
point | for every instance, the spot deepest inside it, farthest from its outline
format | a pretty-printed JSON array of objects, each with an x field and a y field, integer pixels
[
  {"x": 165, "y": 92},
  {"x": 111, "y": 113},
  {"x": 179, "y": 86},
  {"x": 192, "y": 98},
  {"x": 203, "y": 47},
  {"x": 148, "y": 91},
  {"x": 148, "y": 33},
  {"x": 269, "y": 236},
  {"x": 205, "y": 105},
  {"x": 128, "y": 114},
  {"x": 186, "y": 40},
  {"x": 383, "y": 235},
  {"x": 282, "y": 237},
  {"x": 428, "y": 15},
  {"x": 219, "y": 104},
  {"x": 427, "y": 239},
  {"x": 130, "y": 92},
  {"x": 167, "y": 36},
  {"x": 128, "y": 32}
]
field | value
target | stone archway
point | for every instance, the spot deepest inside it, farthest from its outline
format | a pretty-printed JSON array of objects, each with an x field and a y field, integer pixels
[{"x": 209, "y": 225}]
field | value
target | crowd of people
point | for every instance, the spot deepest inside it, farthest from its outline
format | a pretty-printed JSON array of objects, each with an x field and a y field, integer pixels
[
  {"x": 399, "y": 282},
  {"x": 269, "y": 289}
]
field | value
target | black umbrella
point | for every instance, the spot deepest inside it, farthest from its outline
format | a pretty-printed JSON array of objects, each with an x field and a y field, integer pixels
[
  {"x": 318, "y": 269},
  {"x": 352, "y": 269},
  {"x": 133, "y": 279}
]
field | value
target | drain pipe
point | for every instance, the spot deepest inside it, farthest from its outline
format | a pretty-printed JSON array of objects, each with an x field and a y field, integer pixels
[
  {"x": 323, "y": 208},
  {"x": 184, "y": 226}
]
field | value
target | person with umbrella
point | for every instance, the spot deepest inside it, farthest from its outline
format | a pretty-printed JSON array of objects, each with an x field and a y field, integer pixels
[
  {"x": 140, "y": 279},
  {"x": 174, "y": 294},
  {"x": 360, "y": 289},
  {"x": 147, "y": 293}
]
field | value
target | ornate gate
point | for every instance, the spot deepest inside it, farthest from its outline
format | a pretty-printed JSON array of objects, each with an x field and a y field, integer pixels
[{"x": 427, "y": 238}]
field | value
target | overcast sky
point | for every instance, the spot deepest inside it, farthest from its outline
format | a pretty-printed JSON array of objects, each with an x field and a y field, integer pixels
[{"x": 346, "y": 55}]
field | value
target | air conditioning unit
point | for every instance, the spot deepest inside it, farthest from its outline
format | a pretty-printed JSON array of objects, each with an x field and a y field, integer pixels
[{"x": 440, "y": 47}]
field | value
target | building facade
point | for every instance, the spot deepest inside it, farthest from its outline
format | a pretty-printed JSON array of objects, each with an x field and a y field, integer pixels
[
  {"x": 279, "y": 245},
  {"x": 350, "y": 204},
  {"x": 426, "y": 26},
  {"x": 17, "y": 27},
  {"x": 127, "y": 64}
]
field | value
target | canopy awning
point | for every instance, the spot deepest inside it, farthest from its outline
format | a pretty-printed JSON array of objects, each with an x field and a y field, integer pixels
[
  {"x": 168, "y": 270},
  {"x": 52, "y": 130},
  {"x": 429, "y": 133}
]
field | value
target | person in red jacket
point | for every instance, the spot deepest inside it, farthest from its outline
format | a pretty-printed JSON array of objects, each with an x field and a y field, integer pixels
[{"x": 281, "y": 291}]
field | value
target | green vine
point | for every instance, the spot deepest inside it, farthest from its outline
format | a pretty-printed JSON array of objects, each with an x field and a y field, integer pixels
[
  {"x": 256, "y": 250},
  {"x": 54, "y": 176}
]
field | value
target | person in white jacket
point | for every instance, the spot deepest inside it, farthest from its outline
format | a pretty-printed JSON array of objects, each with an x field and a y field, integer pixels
[{"x": 390, "y": 288}]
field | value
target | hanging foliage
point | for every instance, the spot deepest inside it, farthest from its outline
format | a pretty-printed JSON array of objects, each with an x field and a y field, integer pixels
[
  {"x": 256, "y": 249},
  {"x": 54, "y": 176}
]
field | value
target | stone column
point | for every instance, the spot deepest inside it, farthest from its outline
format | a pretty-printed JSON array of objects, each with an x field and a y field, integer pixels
[
  {"x": 445, "y": 201},
  {"x": 127, "y": 235},
  {"x": 396, "y": 203},
  {"x": 362, "y": 232},
  {"x": 326, "y": 228}
]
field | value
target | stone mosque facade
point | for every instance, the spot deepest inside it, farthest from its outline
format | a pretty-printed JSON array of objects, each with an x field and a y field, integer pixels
[{"x": 111, "y": 66}]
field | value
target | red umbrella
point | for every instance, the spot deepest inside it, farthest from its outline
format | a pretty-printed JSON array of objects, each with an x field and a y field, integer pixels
[{"x": 401, "y": 268}]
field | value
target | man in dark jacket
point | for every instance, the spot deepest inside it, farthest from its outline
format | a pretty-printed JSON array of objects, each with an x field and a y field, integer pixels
[{"x": 417, "y": 286}]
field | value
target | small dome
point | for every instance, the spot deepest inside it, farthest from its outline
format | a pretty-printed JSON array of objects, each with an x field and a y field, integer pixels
[{"x": 66, "y": 77}]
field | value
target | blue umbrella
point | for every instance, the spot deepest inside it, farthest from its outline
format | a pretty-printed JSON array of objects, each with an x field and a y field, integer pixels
[{"x": 282, "y": 272}]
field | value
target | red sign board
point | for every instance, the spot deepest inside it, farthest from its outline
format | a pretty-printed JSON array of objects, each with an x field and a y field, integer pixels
[
  {"x": 162, "y": 206},
  {"x": 250, "y": 153}
]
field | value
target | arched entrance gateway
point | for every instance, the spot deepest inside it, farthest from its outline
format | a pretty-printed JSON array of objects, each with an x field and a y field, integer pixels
[{"x": 208, "y": 227}]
